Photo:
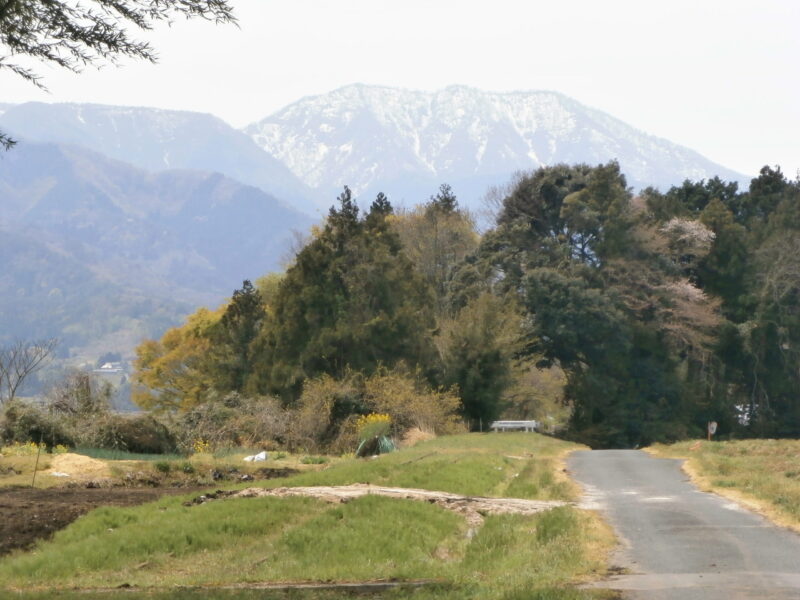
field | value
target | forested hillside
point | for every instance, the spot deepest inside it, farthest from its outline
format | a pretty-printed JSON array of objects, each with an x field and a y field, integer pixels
[
  {"x": 646, "y": 315},
  {"x": 97, "y": 252}
]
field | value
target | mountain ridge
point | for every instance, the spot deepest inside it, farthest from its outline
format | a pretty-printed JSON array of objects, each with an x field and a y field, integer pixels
[
  {"x": 157, "y": 139},
  {"x": 372, "y": 137},
  {"x": 178, "y": 239}
]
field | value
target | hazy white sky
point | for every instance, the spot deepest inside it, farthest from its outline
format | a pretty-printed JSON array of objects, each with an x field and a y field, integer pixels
[{"x": 718, "y": 76}]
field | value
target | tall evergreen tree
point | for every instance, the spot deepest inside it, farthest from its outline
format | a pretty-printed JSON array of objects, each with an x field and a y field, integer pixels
[
  {"x": 351, "y": 300},
  {"x": 230, "y": 359}
]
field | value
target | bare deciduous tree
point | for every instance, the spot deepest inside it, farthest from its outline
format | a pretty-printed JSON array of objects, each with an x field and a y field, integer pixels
[{"x": 20, "y": 360}]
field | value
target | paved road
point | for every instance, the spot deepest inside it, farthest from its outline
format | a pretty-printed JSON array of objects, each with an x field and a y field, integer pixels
[{"x": 682, "y": 544}]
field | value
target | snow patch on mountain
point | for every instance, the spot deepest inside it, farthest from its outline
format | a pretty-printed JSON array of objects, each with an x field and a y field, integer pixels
[{"x": 368, "y": 136}]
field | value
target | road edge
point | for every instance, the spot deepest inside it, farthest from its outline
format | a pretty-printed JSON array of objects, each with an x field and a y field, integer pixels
[{"x": 747, "y": 502}]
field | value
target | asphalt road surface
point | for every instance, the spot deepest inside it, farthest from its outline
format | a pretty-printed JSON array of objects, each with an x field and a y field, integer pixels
[{"x": 678, "y": 543}]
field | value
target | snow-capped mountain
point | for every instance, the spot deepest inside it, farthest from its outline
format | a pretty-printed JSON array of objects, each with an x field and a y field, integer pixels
[
  {"x": 156, "y": 140},
  {"x": 406, "y": 142}
]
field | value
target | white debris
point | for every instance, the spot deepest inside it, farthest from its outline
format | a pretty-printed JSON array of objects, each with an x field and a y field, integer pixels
[{"x": 261, "y": 456}]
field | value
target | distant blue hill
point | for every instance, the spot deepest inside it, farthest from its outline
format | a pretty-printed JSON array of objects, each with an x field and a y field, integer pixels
[
  {"x": 157, "y": 140},
  {"x": 90, "y": 244}
]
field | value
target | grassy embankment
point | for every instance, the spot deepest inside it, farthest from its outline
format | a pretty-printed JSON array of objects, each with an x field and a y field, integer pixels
[
  {"x": 271, "y": 539},
  {"x": 761, "y": 474}
]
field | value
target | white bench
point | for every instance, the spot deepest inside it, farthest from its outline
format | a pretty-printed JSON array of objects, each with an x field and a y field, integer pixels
[{"x": 514, "y": 425}]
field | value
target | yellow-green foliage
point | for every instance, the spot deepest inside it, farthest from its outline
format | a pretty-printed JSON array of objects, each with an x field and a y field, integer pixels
[
  {"x": 20, "y": 449},
  {"x": 373, "y": 424},
  {"x": 411, "y": 403},
  {"x": 166, "y": 544},
  {"x": 765, "y": 470},
  {"x": 312, "y": 418},
  {"x": 405, "y": 400},
  {"x": 170, "y": 373},
  {"x": 537, "y": 394},
  {"x": 31, "y": 449},
  {"x": 435, "y": 240}
]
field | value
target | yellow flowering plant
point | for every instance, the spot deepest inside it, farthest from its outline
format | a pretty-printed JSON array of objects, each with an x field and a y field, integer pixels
[
  {"x": 20, "y": 449},
  {"x": 200, "y": 446},
  {"x": 30, "y": 449},
  {"x": 373, "y": 425}
]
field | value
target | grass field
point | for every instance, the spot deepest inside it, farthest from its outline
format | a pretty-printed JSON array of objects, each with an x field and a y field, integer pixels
[
  {"x": 157, "y": 469},
  {"x": 269, "y": 539},
  {"x": 762, "y": 474}
]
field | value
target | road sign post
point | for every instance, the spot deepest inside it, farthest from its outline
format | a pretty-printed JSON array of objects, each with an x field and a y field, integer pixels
[{"x": 712, "y": 429}]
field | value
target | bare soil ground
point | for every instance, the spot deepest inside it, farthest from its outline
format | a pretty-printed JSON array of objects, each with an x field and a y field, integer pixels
[
  {"x": 472, "y": 508},
  {"x": 29, "y": 514}
]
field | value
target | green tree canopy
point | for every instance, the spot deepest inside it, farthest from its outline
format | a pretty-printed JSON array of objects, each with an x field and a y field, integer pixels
[{"x": 351, "y": 300}]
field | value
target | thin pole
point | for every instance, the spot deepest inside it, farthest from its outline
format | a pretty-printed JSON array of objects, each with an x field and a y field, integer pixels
[{"x": 36, "y": 465}]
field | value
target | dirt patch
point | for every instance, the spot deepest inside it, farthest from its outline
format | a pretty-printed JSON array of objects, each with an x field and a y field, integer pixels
[
  {"x": 472, "y": 508},
  {"x": 30, "y": 514},
  {"x": 78, "y": 466},
  {"x": 27, "y": 515}
]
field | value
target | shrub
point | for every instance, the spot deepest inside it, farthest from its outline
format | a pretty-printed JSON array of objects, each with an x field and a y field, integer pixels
[
  {"x": 22, "y": 422},
  {"x": 330, "y": 412},
  {"x": 322, "y": 418},
  {"x": 135, "y": 433},
  {"x": 233, "y": 421},
  {"x": 200, "y": 446},
  {"x": 373, "y": 425},
  {"x": 412, "y": 404},
  {"x": 20, "y": 449}
]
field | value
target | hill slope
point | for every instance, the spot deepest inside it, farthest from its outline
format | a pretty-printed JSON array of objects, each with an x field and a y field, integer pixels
[
  {"x": 156, "y": 140},
  {"x": 89, "y": 230}
]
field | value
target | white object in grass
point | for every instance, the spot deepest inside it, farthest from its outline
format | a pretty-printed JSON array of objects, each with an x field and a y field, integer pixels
[{"x": 256, "y": 457}]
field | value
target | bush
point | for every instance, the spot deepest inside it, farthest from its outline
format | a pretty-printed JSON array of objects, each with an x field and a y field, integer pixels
[
  {"x": 137, "y": 433},
  {"x": 22, "y": 422},
  {"x": 234, "y": 421},
  {"x": 373, "y": 425},
  {"x": 410, "y": 403},
  {"x": 329, "y": 412},
  {"x": 325, "y": 414},
  {"x": 19, "y": 449}
]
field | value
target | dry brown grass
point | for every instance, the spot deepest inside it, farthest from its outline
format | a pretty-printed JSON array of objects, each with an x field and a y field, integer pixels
[
  {"x": 763, "y": 475},
  {"x": 414, "y": 436},
  {"x": 18, "y": 470},
  {"x": 78, "y": 466}
]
